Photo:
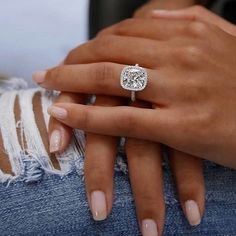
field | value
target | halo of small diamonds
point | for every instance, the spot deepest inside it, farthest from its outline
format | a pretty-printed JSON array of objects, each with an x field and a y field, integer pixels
[{"x": 134, "y": 78}]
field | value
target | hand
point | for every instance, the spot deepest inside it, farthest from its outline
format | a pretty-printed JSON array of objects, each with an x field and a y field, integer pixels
[
  {"x": 92, "y": 177},
  {"x": 191, "y": 86},
  {"x": 149, "y": 198}
]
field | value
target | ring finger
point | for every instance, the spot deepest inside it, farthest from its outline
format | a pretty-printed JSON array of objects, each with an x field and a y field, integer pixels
[{"x": 104, "y": 79}]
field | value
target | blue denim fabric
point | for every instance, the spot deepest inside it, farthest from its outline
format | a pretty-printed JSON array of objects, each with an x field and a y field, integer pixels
[
  {"x": 58, "y": 206},
  {"x": 46, "y": 203}
]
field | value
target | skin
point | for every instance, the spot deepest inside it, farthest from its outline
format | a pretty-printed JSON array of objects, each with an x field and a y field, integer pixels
[
  {"x": 100, "y": 177},
  {"x": 193, "y": 81},
  {"x": 145, "y": 10}
]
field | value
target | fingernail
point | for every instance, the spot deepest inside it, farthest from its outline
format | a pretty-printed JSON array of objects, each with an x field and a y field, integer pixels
[
  {"x": 192, "y": 213},
  {"x": 55, "y": 141},
  {"x": 39, "y": 76},
  {"x": 149, "y": 228},
  {"x": 57, "y": 112},
  {"x": 160, "y": 12},
  {"x": 98, "y": 205}
]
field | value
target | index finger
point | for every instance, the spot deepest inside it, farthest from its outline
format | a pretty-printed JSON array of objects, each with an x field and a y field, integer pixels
[{"x": 155, "y": 125}]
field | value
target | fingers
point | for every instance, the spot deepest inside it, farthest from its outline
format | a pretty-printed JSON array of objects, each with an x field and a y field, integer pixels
[
  {"x": 100, "y": 154},
  {"x": 101, "y": 78},
  {"x": 99, "y": 164},
  {"x": 145, "y": 170},
  {"x": 188, "y": 173},
  {"x": 123, "y": 50},
  {"x": 194, "y": 13},
  {"x": 59, "y": 133},
  {"x": 155, "y": 125},
  {"x": 160, "y": 29}
]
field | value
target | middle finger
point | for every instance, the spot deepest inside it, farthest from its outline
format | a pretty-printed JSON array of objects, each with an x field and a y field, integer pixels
[{"x": 120, "y": 49}]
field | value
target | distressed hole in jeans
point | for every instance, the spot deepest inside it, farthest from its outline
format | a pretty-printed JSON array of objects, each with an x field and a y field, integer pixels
[
  {"x": 5, "y": 165},
  {"x": 39, "y": 118},
  {"x": 21, "y": 136}
]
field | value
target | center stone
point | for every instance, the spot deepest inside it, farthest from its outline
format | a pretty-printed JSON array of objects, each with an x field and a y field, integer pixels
[{"x": 133, "y": 78}]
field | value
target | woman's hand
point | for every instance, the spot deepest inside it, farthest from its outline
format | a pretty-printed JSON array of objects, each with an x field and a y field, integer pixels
[
  {"x": 191, "y": 86},
  {"x": 98, "y": 176}
]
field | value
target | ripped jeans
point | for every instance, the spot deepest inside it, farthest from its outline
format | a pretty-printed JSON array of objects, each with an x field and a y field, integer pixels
[{"x": 40, "y": 200}]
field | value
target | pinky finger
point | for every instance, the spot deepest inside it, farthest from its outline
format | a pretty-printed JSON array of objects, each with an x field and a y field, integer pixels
[{"x": 189, "y": 179}]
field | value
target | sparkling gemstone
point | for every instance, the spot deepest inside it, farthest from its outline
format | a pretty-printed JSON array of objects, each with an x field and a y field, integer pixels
[{"x": 133, "y": 78}]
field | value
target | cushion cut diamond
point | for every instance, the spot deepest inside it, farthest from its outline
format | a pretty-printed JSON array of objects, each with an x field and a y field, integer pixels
[{"x": 133, "y": 78}]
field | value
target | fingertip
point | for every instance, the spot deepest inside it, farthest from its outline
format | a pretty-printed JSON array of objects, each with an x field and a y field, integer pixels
[
  {"x": 98, "y": 205},
  {"x": 192, "y": 211},
  {"x": 58, "y": 112},
  {"x": 59, "y": 136},
  {"x": 149, "y": 227},
  {"x": 39, "y": 76},
  {"x": 55, "y": 141}
]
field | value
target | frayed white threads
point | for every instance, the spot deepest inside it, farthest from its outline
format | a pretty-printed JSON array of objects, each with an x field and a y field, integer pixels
[
  {"x": 8, "y": 130},
  {"x": 35, "y": 146},
  {"x": 12, "y": 84}
]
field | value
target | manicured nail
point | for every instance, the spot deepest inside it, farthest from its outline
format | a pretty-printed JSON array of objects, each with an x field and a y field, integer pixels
[
  {"x": 160, "y": 11},
  {"x": 39, "y": 76},
  {"x": 149, "y": 228},
  {"x": 57, "y": 112},
  {"x": 98, "y": 205},
  {"x": 55, "y": 141},
  {"x": 192, "y": 213}
]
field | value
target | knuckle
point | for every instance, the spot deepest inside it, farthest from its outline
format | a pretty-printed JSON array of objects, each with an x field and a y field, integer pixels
[
  {"x": 123, "y": 27},
  {"x": 198, "y": 29},
  {"x": 127, "y": 123},
  {"x": 54, "y": 74},
  {"x": 193, "y": 52},
  {"x": 197, "y": 9},
  {"x": 103, "y": 44},
  {"x": 103, "y": 72},
  {"x": 86, "y": 119},
  {"x": 189, "y": 55}
]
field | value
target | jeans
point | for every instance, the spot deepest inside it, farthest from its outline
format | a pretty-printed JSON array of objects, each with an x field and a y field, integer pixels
[
  {"x": 45, "y": 202},
  {"x": 57, "y": 205}
]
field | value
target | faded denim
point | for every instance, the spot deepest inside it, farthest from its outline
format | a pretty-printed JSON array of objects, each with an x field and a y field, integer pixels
[
  {"x": 58, "y": 206},
  {"x": 47, "y": 203}
]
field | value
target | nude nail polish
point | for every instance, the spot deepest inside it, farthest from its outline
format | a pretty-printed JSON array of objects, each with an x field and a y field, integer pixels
[
  {"x": 39, "y": 76},
  {"x": 57, "y": 112},
  {"x": 149, "y": 228},
  {"x": 98, "y": 205},
  {"x": 192, "y": 213},
  {"x": 55, "y": 141}
]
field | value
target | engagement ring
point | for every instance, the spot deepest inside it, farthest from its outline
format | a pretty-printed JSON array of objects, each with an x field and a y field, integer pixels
[{"x": 133, "y": 78}]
